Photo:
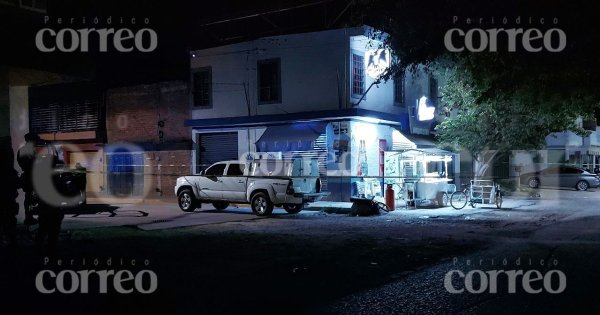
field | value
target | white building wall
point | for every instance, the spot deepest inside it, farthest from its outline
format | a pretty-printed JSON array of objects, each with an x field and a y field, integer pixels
[
  {"x": 312, "y": 74},
  {"x": 315, "y": 75},
  {"x": 563, "y": 139}
]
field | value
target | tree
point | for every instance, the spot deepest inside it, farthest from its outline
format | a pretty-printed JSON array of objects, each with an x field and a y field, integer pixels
[{"x": 498, "y": 100}]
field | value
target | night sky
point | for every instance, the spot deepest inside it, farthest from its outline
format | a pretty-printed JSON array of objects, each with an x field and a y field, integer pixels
[{"x": 181, "y": 25}]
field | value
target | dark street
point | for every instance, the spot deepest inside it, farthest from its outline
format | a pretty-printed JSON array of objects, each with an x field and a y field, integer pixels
[
  {"x": 299, "y": 157},
  {"x": 302, "y": 263}
]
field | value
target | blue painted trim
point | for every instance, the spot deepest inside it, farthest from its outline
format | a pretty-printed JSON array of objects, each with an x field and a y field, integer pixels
[{"x": 278, "y": 119}]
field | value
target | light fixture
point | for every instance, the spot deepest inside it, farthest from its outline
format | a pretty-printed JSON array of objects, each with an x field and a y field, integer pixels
[
  {"x": 377, "y": 61},
  {"x": 424, "y": 112}
]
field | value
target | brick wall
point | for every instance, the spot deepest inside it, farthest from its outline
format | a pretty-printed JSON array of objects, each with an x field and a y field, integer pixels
[
  {"x": 162, "y": 169},
  {"x": 133, "y": 113}
]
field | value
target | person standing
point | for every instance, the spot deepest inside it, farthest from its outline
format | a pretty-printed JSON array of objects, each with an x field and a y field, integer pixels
[
  {"x": 26, "y": 157},
  {"x": 9, "y": 208}
]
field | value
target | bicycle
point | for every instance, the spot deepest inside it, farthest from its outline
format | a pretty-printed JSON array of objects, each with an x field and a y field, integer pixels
[{"x": 476, "y": 193}]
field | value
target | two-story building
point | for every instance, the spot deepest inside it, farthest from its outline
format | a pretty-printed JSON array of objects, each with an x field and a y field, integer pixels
[{"x": 312, "y": 95}]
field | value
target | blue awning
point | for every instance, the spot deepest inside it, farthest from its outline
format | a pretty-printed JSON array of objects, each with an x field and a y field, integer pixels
[{"x": 293, "y": 137}]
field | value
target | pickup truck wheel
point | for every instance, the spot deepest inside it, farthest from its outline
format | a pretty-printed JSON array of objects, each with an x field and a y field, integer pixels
[
  {"x": 220, "y": 205},
  {"x": 186, "y": 200},
  {"x": 292, "y": 208},
  {"x": 261, "y": 204}
]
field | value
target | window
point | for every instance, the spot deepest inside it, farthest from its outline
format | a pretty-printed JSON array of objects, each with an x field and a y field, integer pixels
[
  {"x": 269, "y": 81},
  {"x": 399, "y": 89},
  {"x": 433, "y": 90},
  {"x": 358, "y": 75},
  {"x": 202, "y": 87},
  {"x": 236, "y": 170},
  {"x": 65, "y": 107},
  {"x": 216, "y": 170}
]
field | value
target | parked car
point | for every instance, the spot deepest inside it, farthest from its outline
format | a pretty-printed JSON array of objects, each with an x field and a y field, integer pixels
[
  {"x": 561, "y": 176},
  {"x": 262, "y": 183}
]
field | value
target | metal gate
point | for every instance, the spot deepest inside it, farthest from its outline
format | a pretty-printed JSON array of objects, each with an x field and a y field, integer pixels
[
  {"x": 215, "y": 147},
  {"x": 125, "y": 173}
]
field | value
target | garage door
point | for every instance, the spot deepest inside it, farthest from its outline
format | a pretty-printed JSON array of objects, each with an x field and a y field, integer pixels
[{"x": 215, "y": 147}]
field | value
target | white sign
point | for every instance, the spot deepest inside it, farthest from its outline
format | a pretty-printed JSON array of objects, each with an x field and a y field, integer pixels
[
  {"x": 377, "y": 61},
  {"x": 424, "y": 112}
]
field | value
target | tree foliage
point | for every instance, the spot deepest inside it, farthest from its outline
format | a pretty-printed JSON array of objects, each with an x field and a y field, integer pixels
[{"x": 498, "y": 100}]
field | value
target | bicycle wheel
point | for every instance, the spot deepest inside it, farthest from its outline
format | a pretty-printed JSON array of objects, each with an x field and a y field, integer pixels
[{"x": 458, "y": 200}]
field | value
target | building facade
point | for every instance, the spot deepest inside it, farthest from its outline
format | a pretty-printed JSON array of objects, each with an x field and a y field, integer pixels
[
  {"x": 311, "y": 95},
  {"x": 148, "y": 146}
]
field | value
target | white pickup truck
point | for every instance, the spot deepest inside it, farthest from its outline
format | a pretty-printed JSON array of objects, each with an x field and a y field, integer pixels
[{"x": 261, "y": 183}]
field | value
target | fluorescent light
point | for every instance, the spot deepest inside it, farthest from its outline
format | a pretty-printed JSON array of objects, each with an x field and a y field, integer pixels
[
  {"x": 424, "y": 112},
  {"x": 371, "y": 120}
]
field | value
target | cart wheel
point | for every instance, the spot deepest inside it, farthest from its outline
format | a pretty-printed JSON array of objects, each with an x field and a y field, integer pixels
[{"x": 499, "y": 201}]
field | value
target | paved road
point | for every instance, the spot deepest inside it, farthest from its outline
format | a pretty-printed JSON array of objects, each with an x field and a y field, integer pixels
[
  {"x": 565, "y": 229},
  {"x": 561, "y": 225},
  {"x": 551, "y": 204}
]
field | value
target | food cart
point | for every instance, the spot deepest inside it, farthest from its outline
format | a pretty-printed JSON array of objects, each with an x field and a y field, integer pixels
[{"x": 419, "y": 176}]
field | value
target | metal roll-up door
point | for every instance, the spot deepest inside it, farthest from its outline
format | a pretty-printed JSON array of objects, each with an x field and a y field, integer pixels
[{"x": 215, "y": 147}]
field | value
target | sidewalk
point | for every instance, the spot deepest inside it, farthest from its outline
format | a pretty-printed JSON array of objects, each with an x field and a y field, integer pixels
[
  {"x": 131, "y": 200},
  {"x": 344, "y": 207}
]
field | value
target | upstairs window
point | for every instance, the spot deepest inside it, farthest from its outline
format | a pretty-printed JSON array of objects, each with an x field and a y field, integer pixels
[
  {"x": 202, "y": 87},
  {"x": 358, "y": 75},
  {"x": 67, "y": 107},
  {"x": 399, "y": 96},
  {"x": 433, "y": 90},
  {"x": 269, "y": 81}
]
